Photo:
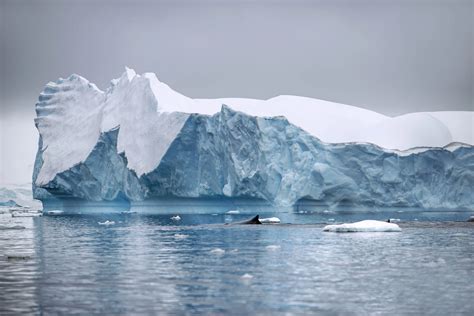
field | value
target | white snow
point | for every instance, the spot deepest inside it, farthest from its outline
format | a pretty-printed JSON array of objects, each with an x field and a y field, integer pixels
[
  {"x": 72, "y": 112},
  {"x": 363, "y": 226},
  {"x": 270, "y": 220}
]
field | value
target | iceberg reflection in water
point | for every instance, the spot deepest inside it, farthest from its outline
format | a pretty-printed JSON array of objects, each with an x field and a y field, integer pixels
[{"x": 152, "y": 264}]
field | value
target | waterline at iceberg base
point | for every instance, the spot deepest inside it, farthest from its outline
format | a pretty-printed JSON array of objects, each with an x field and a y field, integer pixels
[{"x": 227, "y": 159}]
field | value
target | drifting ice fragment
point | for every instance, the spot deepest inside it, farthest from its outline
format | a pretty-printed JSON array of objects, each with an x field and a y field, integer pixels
[
  {"x": 180, "y": 236},
  {"x": 217, "y": 251},
  {"x": 19, "y": 214},
  {"x": 270, "y": 220},
  {"x": 176, "y": 218},
  {"x": 107, "y": 223},
  {"x": 54, "y": 212},
  {"x": 363, "y": 226},
  {"x": 233, "y": 212}
]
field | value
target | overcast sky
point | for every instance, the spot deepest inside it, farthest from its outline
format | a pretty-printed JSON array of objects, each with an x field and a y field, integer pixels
[{"x": 393, "y": 57}]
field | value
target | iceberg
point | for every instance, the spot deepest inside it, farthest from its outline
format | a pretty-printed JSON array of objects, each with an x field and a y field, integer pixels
[
  {"x": 142, "y": 141},
  {"x": 363, "y": 226},
  {"x": 270, "y": 220}
]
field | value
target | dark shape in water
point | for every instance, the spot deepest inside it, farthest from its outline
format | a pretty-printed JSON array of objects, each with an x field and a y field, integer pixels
[
  {"x": 252, "y": 221},
  {"x": 471, "y": 219}
]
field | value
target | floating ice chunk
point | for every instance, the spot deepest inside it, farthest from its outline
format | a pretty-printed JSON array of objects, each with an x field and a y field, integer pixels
[
  {"x": 233, "y": 212},
  {"x": 27, "y": 214},
  {"x": 393, "y": 220},
  {"x": 54, "y": 212},
  {"x": 247, "y": 276},
  {"x": 176, "y": 218},
  {"x": 217, "y": 251},
  {"x": 128, "y": 212},
  {"x": 106, "y": 223},
  {"x": 2, "y": 227},
  {"x": 180, "y": 236},
  {"x": 471, "y": 219},
  {"x": 363, "y": 226},
  {"x": 273, "y": 247},
  {"x": 270, "y": 220}
]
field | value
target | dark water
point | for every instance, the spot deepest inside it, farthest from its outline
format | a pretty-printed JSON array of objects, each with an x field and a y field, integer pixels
[{"x": 147, "y": 264}]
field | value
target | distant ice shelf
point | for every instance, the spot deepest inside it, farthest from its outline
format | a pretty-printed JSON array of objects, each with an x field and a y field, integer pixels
[{"x": 140, "y": 140}]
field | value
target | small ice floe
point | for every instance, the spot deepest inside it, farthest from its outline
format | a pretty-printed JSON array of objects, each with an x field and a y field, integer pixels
[
  {"x": 217, "y": 251},
  {"x": 326, "y": 211},
  {"x": 25, "y": 214},
  {"x": 14, "y": 227},
  {"x": 393, "y": 220},
  {"x": 363, "y": 226},
  {"x": 247, "y": 276},
  {"x": 471, "y": 219},
  {"x": 176, "y": 218},
  {"x": 273, "y": 247},
  {"x": 331, "y": 220},
  {"x": 54, "y": 212},
  {"x": 180, "y": 236},
  {"x": 233, "y": 212},
  {"x": 106, "y": 223},
  {"x": 270, "y": 220},
  {"x": 128, "y": 212}
]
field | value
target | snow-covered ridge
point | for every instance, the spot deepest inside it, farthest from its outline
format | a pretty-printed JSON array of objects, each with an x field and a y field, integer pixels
[{"x": 72, "y": 113}]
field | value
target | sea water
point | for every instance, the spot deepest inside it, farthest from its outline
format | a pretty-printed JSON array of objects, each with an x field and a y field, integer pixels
[{"x": 155, "y": 265}]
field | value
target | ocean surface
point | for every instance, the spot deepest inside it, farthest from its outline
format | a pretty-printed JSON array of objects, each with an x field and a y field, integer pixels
[{"x": 150, "y": 264}]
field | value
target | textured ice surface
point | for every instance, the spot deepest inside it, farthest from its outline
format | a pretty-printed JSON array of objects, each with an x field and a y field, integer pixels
[
  {"x": 363, "y": 226},
  {"x": 128, "y": 144}
]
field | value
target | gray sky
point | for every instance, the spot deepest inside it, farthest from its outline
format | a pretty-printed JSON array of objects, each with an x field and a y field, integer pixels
[{"x": 393, "y": 57}]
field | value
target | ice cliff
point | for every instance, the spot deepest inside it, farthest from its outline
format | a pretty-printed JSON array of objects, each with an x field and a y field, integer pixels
[{"x": 141, "y": 140}]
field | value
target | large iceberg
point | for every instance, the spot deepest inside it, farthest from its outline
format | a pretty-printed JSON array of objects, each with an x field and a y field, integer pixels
[{"x": 140, "y": 140}]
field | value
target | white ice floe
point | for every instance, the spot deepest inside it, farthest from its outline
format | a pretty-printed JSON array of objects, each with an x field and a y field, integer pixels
[
  {"x": 247, "y": 276},
  {"x": 363, "y": 226},
  {"x": 176, "y": 218},
  {"x": 217, "y": 251},
  {"x": 270, "y": 220},
  {"x": 273, "y": 247},
  {"x": 233, "y": 212},
  {"x": 180, "y": 236},
  {"x": 26, "y": 214},
  {"x": 54, "y": 212},
  {"x": 394, "y": 220},
  {"x": 106, "y": 223}
]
